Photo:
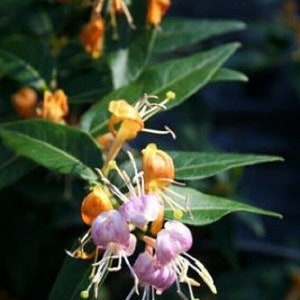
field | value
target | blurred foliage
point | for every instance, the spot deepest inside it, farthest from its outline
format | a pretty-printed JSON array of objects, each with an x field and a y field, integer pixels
[{"x": 46, "y": 168}]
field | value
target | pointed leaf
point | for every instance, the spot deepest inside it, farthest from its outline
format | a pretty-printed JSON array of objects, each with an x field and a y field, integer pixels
[
  {"x": 180, "y": 32},
  {"x": 197, "y": 165},
  {"x": 184, "y": 76},
  {"x": 58, "y": 147},
  {"x": 206, "y": 209},
  {"x": 128, "y": 63},
  {"x": 225, "y": 74}
]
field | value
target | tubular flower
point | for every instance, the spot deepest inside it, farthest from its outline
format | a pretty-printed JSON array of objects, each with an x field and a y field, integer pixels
[
  {"x": 110, "y": 233},
  {"x": 172, "y": 242},
  {"x": 92, "y": 36},
  {"x": 156, "y": 10},
  {"x": 96, "y": 202},
  {"x": 24, "y": 102},
  {"x": 131, "y": 120},
  {"x": 54, "y": 106}
]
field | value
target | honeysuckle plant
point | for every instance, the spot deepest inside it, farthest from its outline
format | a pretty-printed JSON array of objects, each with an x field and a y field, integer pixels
[{"x": 77, "y": 101}]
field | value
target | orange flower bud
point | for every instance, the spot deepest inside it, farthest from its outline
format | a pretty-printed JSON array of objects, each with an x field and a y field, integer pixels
[
  {"x": 128, "y": 116},
  {"x": 54, "y": 106},
  {"x": 96, "y": 202},
  {"x": 158, "y": 168},
  {"x": 24, "y": 102},
  {"x": 156, "y": 10},
  {"x": 92, "y": 36}
]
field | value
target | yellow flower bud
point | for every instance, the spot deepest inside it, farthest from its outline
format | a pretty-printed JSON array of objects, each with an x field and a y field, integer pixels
[
  {"x": 158, "y": 168},
  {"x": 24, "y": 102},
  {"x": 96, "y": 202}
]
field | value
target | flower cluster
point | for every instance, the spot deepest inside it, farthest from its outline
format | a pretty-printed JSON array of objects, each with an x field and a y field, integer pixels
[
  {"x": 93, "y": 32},
  {"x": 122, "y": 210}
]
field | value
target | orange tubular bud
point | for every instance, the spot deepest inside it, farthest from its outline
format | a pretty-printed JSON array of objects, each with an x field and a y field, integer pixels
[
  {"x": 54, "y": 106},
  {"x": 92, "y": 36},
  {"x": 24, "y": 102},
  {"x": 96, "y": 202},
  {"x": 158, "y": 168},
  {"x": 156, "y": 10}
]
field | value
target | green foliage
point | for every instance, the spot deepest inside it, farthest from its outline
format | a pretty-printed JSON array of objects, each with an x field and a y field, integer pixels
[
  {"x": 54, "y": 146},
  {"x": 46, "y": 54},
  {"x": 206, "y": 209}
]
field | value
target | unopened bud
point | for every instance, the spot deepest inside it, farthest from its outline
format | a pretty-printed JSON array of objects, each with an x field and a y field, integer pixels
[
  {"x": 96, "y": 202},
  {"x": 158, "y": 168}
]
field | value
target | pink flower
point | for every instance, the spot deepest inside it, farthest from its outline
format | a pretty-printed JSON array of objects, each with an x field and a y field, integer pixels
[
  {"x": 174, "y": 239},
  {"x": 171, "y": 245},
  {"x": 151, "y": 272},
  {"x": 110, "y": 228},
  {"x": 110, "y": 231},
  {"x": 139, "y": 210},
  {"x": 154, "y": 277}
]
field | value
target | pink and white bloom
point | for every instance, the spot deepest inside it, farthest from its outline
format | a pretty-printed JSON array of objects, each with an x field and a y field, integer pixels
[
  {"x": 173, "y": 240},
  {"x": 154, "y": 277},
  {"x": 171, "y": 245},
  {"x": 110, "y": 232},
  {"x": 140, "y": 210}
]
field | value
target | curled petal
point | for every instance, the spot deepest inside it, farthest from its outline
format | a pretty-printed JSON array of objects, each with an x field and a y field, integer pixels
[
  {"x": 140, "y": 210},
  {"x": 175, "y": 239},
  {"x": 150, "y": 272},
  {"x": 110, "y": 227},
  {"x": 54, "y": 106}
]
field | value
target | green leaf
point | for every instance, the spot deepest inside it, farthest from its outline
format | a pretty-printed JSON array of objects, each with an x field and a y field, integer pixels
[
  {"x": 128, "y": 63},
  {"x": 72, "y": 279},
  {"x": 225, "y": 74},
  {"x": 206, "y": 209},
  {"x": 33, "y": 66},
  {"x": 12, "y": 167},
  {"x": 18, "y": 69},
  {"x": 179, "y": 32},
  {"x": 184, "y": 76},
  {"x": 197, "y": 165},
  {"x": 58, "y": 147}
]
